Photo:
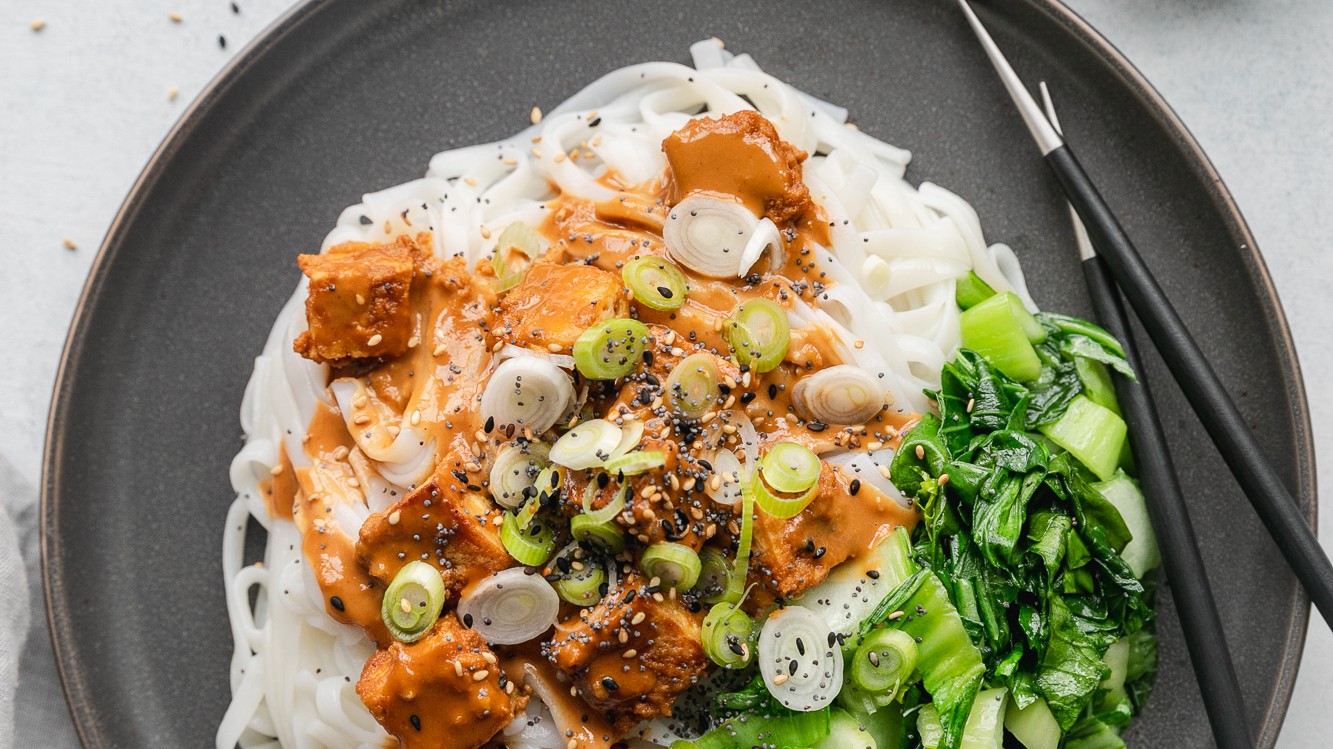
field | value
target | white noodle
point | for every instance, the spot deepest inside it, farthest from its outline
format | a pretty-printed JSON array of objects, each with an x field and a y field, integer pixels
[{"x": 293, "y": 667}]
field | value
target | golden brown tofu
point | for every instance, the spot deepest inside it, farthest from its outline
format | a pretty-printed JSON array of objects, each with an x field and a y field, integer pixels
[
  {"x": 444, "y": 691},
  {"x": 444, "y": 523},
  {"x": 553, "y": 304},
  {"x": 631, "y": 654},
  {"x": 797, "y": 553},
  {"x": 359, "y": 304},
  {"x": 740, "y": 155}
]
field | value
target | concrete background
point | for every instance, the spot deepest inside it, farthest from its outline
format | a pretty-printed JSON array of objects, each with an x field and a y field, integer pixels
[{"x": 86, "y": 100}]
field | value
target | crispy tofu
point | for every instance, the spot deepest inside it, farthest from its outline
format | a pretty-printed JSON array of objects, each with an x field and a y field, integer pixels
[
  {"x": 444, "y": 691},
  {"x": 797, "y": 553},
  {"x": 442, "y": 522},
  {"x": 631, "y": 654},
  {"x": 359, "y": 304},
  {"x": 553, "y": 304}
]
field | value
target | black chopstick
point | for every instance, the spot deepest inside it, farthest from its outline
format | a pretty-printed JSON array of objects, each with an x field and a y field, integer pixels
[
  {"x": 1275, "y": 505},
  {"x": 1204, "y": 637}
]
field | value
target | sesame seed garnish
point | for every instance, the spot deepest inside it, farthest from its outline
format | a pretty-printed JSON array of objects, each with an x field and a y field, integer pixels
[
  {"x": 172, "y": 93},
  {"x": 375, "y": 340},
  {"x": 70, "y": 245},
  {"x": 175, "y": 16},
  {"x": 920, "y": 452},
  {"x": 38, "y": 24},
  {"x": 536, "y": 115},
  {"x": 780, "y": 679},
  {"x": 638, "y": 618},
  {"x": 481, "y": 675}
]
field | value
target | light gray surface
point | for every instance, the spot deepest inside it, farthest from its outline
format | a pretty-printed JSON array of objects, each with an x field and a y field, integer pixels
[{"x": 85, "y": 102}]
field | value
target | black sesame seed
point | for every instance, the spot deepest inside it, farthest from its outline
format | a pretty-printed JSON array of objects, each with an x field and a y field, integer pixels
[
  {"x": 490, "y": 424},
  {"x": 816, "y": 426},
  {"x": 772, "y": 391},
  {"x": 872, "y": 574},
  {"x": 791, "y": 668},
  {"x": 222, "y": 41},
  {"x": 467, "y": 620},
  {"x": 337, "y": 603},
  {"x": 665, "y": 292},
  {"x": 416, "y": 722},
  {"x": 610, "y": 684},
  {"x": 800, "y": 646}
]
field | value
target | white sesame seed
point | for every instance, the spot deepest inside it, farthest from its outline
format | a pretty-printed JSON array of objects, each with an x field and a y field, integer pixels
[{"x": 375, "y": 340}]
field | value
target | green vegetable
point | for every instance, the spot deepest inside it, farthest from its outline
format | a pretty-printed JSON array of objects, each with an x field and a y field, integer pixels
[
  {"x": 1141, "y": 553},
  {"x": 1033, "y": 726},
  {"x": 1096, "y": 382},
  {"x": 984, "y": 728},
  {"x": 582, "y": 587},
  {"x": 692, "y": 384},
  {"x": 656, "y": 283},
  {"x": 788, "y": 477},
  {"x": 611, "y": 348},
  {"x": 950, "y": 665},
  {"x": 1091, "y": 733},
  {"x": 728, "y": 635},
  {"x": 1072, "y": 668},
  {"x": 605, "y": 534},
  {"x": 413, "y": 601},
  {"x": 846, "y": 732},
  {"x": 1091, "y": 433},
  {"x": 786, "y": 729},
  {"x": 530, "y": 543},
  {"x": 675, "y": 565},
  {"x": 883, "y": 661},
  {"x": 634, "y": 463},
  {"x": 759, "y": 334},
  {"x": 1003, "y": 331},
  {"x": 971, "y": 291}
]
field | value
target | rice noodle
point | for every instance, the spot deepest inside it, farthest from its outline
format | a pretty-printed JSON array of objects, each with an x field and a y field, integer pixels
[{"x": 293, "y": 667}]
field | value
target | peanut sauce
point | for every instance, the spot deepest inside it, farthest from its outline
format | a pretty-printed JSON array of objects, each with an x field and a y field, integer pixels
[{"x": 456, "y": 323}]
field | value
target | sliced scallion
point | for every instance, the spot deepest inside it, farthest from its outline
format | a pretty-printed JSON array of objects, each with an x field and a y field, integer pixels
[
  {"x": 656, "y": 283},
  {"x": 529, "y": 543},
  {"x": 715, "y": 572},
  {"x": 413, "y": 601},
  {"x": 692, "y": 384},
  {"x": 884, "y": 661},
  {"x": 515, "y": 470},
  {"x": 741, "y": 569},
  {"x": 579, "y": 579},
  {"x": 675, "y": 565},
  {"x": 517, "y": 247},
  {"x": 605, "y": 535},
  {"x": 727, "y": 636},
  {"x": 759, "y": 334},
  {"x": 588, "y": 445},
  {"x": 634, "y": 463},
  {"x": 605, "y": 513},
  {"x": 610, "y": 349},
  {"x": 788, "y": 478}
]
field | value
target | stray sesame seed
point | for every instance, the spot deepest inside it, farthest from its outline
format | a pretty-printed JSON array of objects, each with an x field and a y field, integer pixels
[
  {"x": 536, "y": 115},
  {"x": 481, "y": 675},
  {"x": 70, "y": 245},
  {"x": 375, "y": 340},
  {"x": 38, "y": 24},
  {"x": 174, "y": 16}
]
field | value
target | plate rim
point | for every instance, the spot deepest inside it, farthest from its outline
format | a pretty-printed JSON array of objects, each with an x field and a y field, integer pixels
[{"x": 52, "y": 571}]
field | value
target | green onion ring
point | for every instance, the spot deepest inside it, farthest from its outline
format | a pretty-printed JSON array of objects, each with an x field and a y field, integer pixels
[
  {"x": 692, "y": 384},
  {"x": 759, "y": 333},
  {"x": 605, "y": 535},
  {"x": 728, "y": 636},
  {"x": 675, "y": 565},
  {"x": 657, "y": 283},
  {"x": 610, "y": 349},
  {"x": 413, "y": 601}
]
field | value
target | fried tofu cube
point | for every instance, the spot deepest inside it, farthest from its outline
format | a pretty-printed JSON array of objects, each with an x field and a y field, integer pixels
[
  {"x": 359, "y": 304},
  {"x": 554, "y": 304},
  {"x": 792, "y": 554},
  {"x": 443, "y": 523},
  {"x": 631, "y": 654},
  {"x": 444, "y": 691}
]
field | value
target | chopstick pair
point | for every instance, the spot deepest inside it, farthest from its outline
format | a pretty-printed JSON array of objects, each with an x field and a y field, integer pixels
[{"x": 1276, "y": 506}]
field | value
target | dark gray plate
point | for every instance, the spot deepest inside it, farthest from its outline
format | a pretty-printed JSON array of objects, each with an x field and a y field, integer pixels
[{"x": 340, "y": 98}]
